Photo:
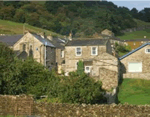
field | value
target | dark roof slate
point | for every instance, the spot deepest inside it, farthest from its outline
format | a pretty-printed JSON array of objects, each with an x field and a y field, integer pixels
[
  {"x": 88, "y": 42},
  {"x": 45, "y": 41},
  {"x": 133, "y": 51},
  {"x": 11, "y": 39}
]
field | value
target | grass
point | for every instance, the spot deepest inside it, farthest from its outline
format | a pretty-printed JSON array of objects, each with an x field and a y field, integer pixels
[
  {"x": 137, "y": 34},
  {"x": 9, "y": 27},
  {"x": 135, "y": 91}
]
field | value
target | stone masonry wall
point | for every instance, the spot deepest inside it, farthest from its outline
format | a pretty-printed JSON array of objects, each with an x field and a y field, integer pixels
[
  {"x": 71, "y": 59},
  {"x": 109, "y": 78},
  {"x": 138, "y": 56},
  {"x": 28, "y": 39}
]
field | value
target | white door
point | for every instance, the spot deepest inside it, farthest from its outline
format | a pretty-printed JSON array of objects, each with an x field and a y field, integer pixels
[{"x": 135, "y": 67}]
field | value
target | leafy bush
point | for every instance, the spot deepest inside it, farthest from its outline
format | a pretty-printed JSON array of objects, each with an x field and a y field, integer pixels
[
  {"x": 80, "y": 68},
  {"x": 122, "y": 48},
  {"x": 80, "y": 89}
]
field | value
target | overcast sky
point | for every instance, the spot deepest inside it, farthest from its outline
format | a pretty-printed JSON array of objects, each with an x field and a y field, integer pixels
[{"x": 138, "y": 4}]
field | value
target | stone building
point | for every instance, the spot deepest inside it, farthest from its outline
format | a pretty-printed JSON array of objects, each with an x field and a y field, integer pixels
[
  {"x": 136, "y": 64},
  {"x": 36, "y": 46},
  {"x": 59, "y": 43},
  {"x": 97, "y": 57}
]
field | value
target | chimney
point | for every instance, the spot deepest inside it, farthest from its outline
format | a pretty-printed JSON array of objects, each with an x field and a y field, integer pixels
[
  {"x": 50, "y": 37},
  {"x": 44, "y": 34},
  {"x": 70, "y": 37}
]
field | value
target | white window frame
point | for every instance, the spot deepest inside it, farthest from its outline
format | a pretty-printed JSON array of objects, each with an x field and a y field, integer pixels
[
  {"x": 134, "y": 71},
  {"x": 62, "y": 54},
  {"x": 92, "y": 50},
  {"x": 76, "y": 51},
  {"x": 86, "y": 70},
  {"x": 147, "y": 51}
]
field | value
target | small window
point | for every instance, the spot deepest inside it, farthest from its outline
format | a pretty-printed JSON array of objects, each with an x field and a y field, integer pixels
[
  {"x": 94, "y": 51},
  {"x": 87, "y": 69},
  {"x": 62, "y": 54},
  {"x": 147, "y": 50},
  {"x": 37, "y": 49},
  {"x": 78, "y": 51}
]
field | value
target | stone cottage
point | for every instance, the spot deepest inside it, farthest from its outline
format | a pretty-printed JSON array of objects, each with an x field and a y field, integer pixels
[
  {"x": 97, "y": 57},
  {"x": 36, "y": 46},
  {"x": 136, "y": 64},
  {"x": 59, "y": 43}
]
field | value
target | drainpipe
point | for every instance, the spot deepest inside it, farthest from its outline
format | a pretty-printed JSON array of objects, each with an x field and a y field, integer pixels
[{"x": 45, "y": 53}]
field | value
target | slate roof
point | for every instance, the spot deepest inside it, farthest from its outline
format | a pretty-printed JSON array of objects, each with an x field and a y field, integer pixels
[
  {"x": 134, "y": 51},
  {"x": 58, "y": 42},
  {"x": 88, "y": 42},
  {"x": 45, "y": 41},
  {"x": 10, "y": 39}
]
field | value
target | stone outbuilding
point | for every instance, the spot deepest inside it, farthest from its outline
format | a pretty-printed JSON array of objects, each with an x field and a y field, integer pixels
[{"x": 136, "y": 64}]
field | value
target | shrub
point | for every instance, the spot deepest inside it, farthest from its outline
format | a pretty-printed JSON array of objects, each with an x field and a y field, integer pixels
[
  {"x": 80, "y": 89},
  {"x": 80, "y": 67}
]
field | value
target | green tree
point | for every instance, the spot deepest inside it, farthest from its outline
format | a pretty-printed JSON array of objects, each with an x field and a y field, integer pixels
[{"x": 80, "y": 67}]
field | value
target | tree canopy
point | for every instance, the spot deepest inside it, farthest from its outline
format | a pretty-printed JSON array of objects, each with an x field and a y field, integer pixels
[{"x": 83, "y": 18}]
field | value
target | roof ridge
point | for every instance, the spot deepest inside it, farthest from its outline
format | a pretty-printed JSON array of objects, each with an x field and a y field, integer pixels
[{"x": 133, "y": 51}]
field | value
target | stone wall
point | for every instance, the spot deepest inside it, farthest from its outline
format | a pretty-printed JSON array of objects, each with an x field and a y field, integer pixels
[
  {"x": 135, "y": 29},
  {"x": 50, "y": 56},
  {"x": 138, "y": 56},
  {"x": 83, "y": 110},
  {"x": 16, "y": 105},
  {"x": 109, "y": 78},
  {"x": 71, "y": 59},
  {"x": 29, "y": 39}
]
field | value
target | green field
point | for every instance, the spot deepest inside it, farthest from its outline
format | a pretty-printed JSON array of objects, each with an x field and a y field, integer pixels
[
  {"x": 9, "y": 27},
  {"x": 137, "y": 34},
  {"x": 134, "y": 91}
]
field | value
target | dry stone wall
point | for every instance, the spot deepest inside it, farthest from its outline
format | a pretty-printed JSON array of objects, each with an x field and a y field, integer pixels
[{"x": 10, "y": 104}]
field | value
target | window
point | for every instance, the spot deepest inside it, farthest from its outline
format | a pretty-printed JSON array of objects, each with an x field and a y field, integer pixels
[
  {"x": 147, "y": 50},
  {"x": 24, "y": 47},
  {"x": 78, "y": 51},
  {"x": 94, "y": 51},
  {"x": 87, "y": 69},
  {"x": 62, "y": 54}
]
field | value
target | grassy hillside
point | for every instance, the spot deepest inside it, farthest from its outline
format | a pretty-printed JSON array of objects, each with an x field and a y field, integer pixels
[
  {"x": 135, "y": 91},
  {"x": 137, "y": 34},
  {"x": 9, "y": 27}
]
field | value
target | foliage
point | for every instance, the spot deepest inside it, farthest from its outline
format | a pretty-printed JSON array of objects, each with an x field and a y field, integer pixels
[
  {"x": 83, "y": 18},
  {"x": 31, "y": 77},
  {"x": 122, "y": 48},
  {"x": 80, "y": 89},
  {"x": 80, "y": 67}
]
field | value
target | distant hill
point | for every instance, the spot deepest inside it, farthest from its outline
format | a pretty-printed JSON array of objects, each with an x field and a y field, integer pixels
[
  {"x": 137, "y": 34},
  {"x": 9, "y": 27}
]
